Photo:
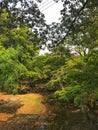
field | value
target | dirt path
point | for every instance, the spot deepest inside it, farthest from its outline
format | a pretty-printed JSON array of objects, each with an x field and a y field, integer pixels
[
  {"x": 11, "y": 105},
  {"x": 20, "y": 111}
]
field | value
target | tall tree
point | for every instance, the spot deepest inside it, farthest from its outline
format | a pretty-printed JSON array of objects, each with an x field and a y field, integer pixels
[
  {"x": 17, "y": 50},
  {"x": 25, "y": 12},
  {"x": 74, "y": 15}
]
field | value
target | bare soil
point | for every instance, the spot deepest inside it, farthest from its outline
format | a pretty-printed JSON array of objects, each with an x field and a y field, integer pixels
[{"x": 20, "y": 112}]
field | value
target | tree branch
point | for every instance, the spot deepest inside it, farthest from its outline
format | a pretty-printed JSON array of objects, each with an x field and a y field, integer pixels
[{"x": 78, "y": 13}]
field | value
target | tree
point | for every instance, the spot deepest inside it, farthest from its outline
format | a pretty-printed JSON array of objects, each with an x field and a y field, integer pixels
[
  {"x": 11, "y": 70},
  {"x": 76, "y": 16},
  {"x": 18, "y": 37},
  {"x": 25, "y": 12},
  {"x": 19, "y": 49},
  {"x": 85, "y": 38},
  {"x": 80, "y": 86}
]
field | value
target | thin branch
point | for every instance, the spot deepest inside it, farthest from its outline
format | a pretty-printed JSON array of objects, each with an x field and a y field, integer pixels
[{"x": 78, "y": 13}]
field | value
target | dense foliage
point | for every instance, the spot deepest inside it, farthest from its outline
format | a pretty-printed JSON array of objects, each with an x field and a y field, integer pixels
[{"x": 70, "y": 71}]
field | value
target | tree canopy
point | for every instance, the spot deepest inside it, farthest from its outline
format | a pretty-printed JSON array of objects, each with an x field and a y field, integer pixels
[{"x": 70, "y": 70}]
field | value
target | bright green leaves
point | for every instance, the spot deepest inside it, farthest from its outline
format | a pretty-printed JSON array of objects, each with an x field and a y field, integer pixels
[
  {"x": 16, "y": 52},
  {"x": 11, "y": 70}
]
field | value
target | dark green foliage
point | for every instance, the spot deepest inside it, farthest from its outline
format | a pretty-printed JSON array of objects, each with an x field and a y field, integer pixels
[
  {"x": 24, "y": 12},
  {"x": 78, "y": 21},
  {"x": 82, "y": 82}
]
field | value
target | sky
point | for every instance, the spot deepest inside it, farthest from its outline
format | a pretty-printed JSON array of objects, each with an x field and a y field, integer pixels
[{"x": 51, "y": 10}]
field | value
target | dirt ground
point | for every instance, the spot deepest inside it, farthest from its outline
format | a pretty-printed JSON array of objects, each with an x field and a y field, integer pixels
[{"x": 21, "y": 112}]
